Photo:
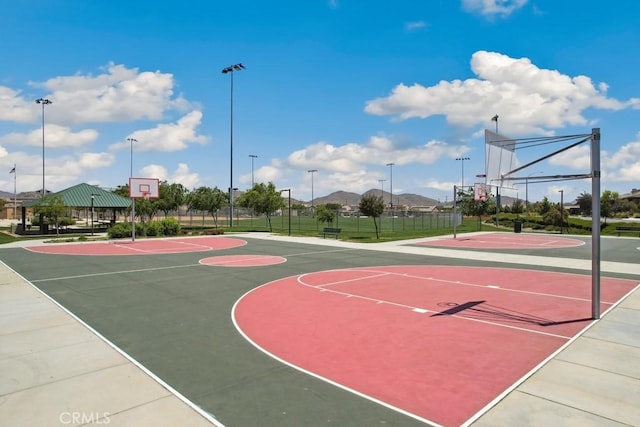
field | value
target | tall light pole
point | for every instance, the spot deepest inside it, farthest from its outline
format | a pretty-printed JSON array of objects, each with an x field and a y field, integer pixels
[
  {"x": 561, "y": 209},
  {"x": 526, "y": 189},
  {"x": 231, "y": 70},
  {"x": 495, "y": 119},
  {"x": 133, "y": 200},
  {"x": 253, "y": 157},
  {"x": 391, "y": 185},
  {"x": 43, "y": 102},
  {"x": 15, "y": 192},
  {"x": 312, "y": 171},
  {"x": 93, "y": 195},
  {"x": 381, "y": 181},
  {"x": 462, "y": 159},
  {"x": 288, "y": 190}
]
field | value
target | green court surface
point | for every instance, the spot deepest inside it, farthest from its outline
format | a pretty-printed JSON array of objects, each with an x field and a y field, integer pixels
[{"x": 173, "y": 315}]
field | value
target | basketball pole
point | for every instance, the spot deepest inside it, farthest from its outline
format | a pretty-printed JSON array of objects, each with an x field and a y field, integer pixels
[
  {"x": 595, "y": 223},
  {"x": 455, "y": 212}
]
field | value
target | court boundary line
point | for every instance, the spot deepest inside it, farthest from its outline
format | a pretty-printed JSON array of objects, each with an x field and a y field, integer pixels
[
  {"x": 313, "y": 374},
  {"x": 425, "y": 310},
  {"x": 536, "y": 368},
  {"x": 244, "y": 258},
  {"x": 206, "y": 415},
  {"x": 108, "y": 273},
  {"x": 458, "y": 282}
]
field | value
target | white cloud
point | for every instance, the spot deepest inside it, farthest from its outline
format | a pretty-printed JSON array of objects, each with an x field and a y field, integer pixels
[
  {"x": 13, "y": 108},
  {"x": 55, "y": 137},
  {"x": 119, "y": 94},
  {"x": 528, "y": 99},
  {"x": 380, "y": 150},
  {"x": 181, "y": 175},
  {"x": 493, "y": 7},
  {"x": 166, "y": 137},
  {"x": 621, "y": 166}
]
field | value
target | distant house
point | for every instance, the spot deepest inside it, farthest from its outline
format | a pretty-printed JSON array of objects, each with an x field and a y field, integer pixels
[
  {"x": 634, "y": 196},
  {"x": 430, "y": 208}
]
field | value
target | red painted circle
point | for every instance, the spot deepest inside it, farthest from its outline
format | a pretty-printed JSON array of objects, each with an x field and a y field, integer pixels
[
  {"x": 504, "y": 241},
  {"x": 436, "y": 342},
  {"x": 242, "y": 260},
  {"x": 142, "y": 247}
]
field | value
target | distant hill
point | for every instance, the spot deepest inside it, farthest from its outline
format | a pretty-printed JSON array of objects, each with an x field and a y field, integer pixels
[
  {"x": 353, "y": 199},
  {"x": 5, "y": 195}
]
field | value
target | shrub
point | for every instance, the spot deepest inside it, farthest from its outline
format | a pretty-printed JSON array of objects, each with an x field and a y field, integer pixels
[
  {"x": 212, "y": 231},
  {"x": 153, "y": 229},
  {"x": 169, "y": 227},
  {"x": 120, "y": 230},
  {"x": 66, "y": 221}
]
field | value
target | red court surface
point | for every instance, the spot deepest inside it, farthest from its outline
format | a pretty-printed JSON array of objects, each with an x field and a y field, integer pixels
[
  {"x": 504, "y": 241},
  {"x": 438, "y": 343},
  {"x": 242, "y": 260},
  {"x": 142, "y": 247}
]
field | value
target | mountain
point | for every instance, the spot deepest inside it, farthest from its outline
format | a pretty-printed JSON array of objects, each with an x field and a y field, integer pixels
[{"x": 353, "y": 199}]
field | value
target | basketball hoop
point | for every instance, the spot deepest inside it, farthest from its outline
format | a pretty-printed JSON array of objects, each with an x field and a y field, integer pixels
[{"x": 480, "y": 191}]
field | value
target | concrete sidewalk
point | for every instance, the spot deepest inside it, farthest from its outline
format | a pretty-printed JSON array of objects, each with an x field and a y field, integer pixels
[
  {"x": 593, "y": 381},
  {"x": 54, "y": 370},
  {"x": 51, "y": 361}
]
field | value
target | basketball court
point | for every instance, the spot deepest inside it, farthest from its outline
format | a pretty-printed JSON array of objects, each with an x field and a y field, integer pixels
[
  {"x": 504, "y": 241},
  {"x": 311, "y": 331}
]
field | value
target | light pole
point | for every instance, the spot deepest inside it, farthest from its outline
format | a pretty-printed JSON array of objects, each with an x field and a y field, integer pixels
[
  {"x": 391, "y": 185},
  {"x": 288, "y": 190},
  {"x": 231, "y": 70},
  {"x": 133, "y": 200},
  {"x": 561, "y": 209},
  {"x": 312, "y": 171},
  {"x": 495, "y": 119},
  {"x": 15, "y": 193},
  {"x": 93, "y": 195},
  {"x": 43, "y": 102},
  {"x": 253, "y": 157},
  {"x": 526, "y": 189},
  {"x": 462, "y": 159},
  {"x": 381, "y": 181}
]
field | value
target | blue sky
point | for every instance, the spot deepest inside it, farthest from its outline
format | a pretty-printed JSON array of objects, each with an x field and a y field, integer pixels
[{"x": 344, "y": 87}]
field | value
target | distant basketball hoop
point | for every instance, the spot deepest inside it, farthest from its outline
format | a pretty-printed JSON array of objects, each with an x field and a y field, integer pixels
[
  {"x": 480, "y": 191},
  {"x": 144, "y": 188}
]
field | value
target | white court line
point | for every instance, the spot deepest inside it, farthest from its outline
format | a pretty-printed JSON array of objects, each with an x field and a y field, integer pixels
[
  {"x": 425, "y": 310},
  {"x": 110, "y": 273},
  {"x": 457, "y": 282},
  {"x": 340, "y": 282},
  {"x": 313, "y": 374},
  {"x": 453, "y": 282},
  {"x": 244, "y": 258}
]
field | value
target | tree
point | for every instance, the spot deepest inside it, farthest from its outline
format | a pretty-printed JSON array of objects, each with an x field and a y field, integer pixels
[
  {"x": 208, "y": 200},
  {"x": 53, "y": 208},
  {"x": 325, "y": 214},
  {"x": 584, "y": 203},
  {"x": 545, "y": 206},
  {"x": 373, "y": 206},
  {"x": 607, "y": 203},
  {"x": 556, "y": 216},
  {"x": 263, "y": 199},
  {"x": 469, "y": 206},
  {"x": 121, "y": 190},
  {"x": 172, "y": 196},
  {"x": 517, "y": 207}
]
